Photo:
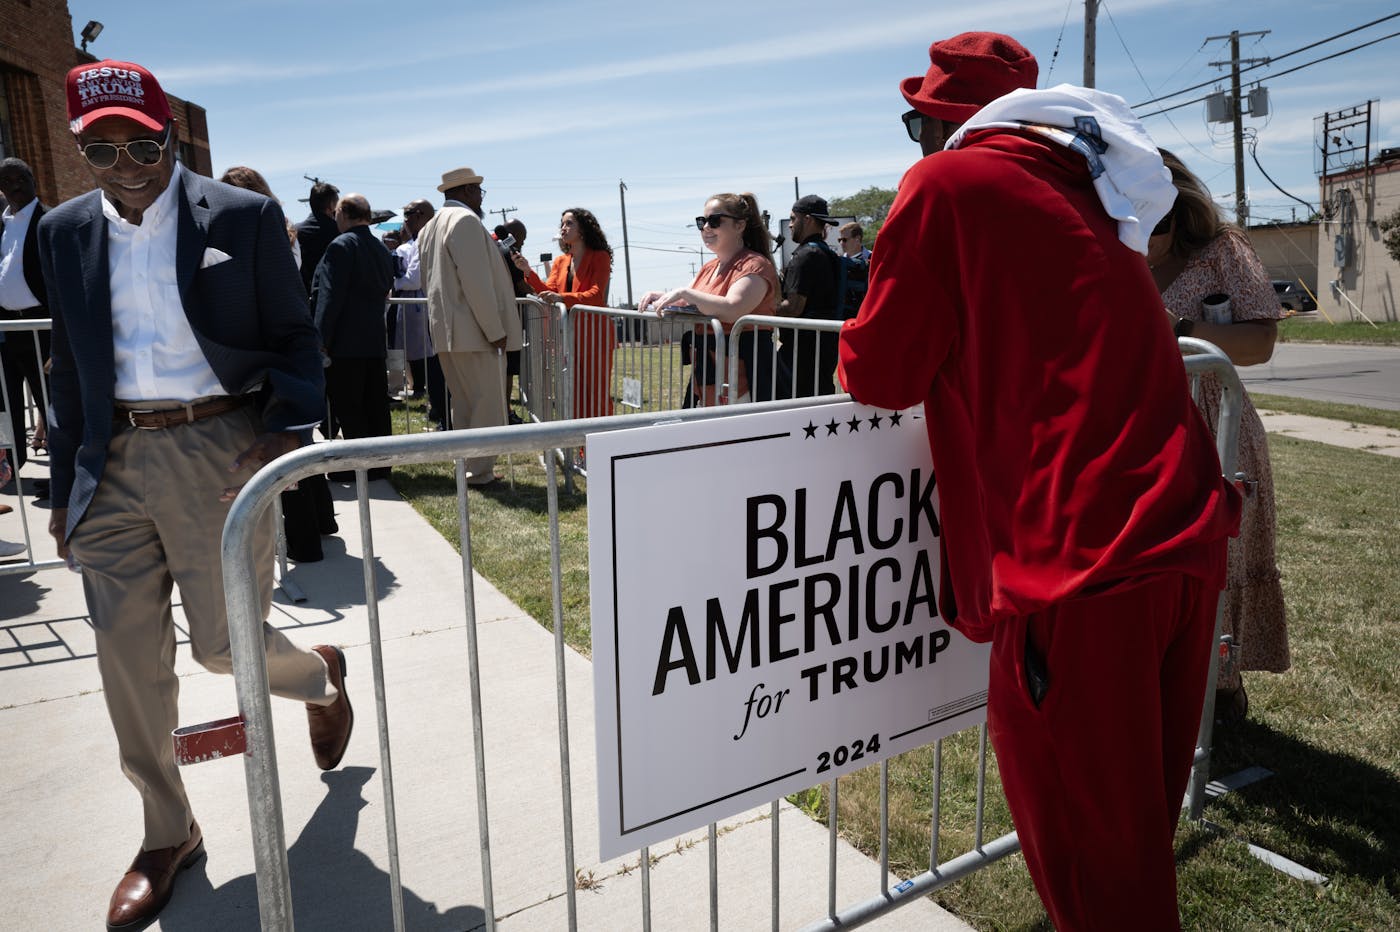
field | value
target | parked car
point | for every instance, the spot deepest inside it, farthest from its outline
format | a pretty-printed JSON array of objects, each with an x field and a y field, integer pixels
[{"x": 1293, "y": 296}]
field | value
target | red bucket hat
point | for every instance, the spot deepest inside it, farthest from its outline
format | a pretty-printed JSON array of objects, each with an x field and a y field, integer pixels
[
  {"x": 967, "y": 72},
  {"x": 115, "y": 89}
]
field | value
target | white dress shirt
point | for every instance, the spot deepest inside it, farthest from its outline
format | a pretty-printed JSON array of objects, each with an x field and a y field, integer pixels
[
  {"x": 14, "y": 291},
  {"x": 156, "y": 354},
  {"x": 412, "y": 277}
]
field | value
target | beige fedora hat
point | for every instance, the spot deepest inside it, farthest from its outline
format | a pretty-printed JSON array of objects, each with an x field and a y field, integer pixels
[{"x": 458, "y": 177}]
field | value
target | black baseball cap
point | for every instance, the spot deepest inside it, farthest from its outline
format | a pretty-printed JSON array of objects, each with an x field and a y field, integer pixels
[{"x": 812, "y": 206}]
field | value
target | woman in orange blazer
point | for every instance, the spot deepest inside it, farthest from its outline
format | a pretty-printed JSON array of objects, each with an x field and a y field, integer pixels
[{"x": 580, "y": 276}]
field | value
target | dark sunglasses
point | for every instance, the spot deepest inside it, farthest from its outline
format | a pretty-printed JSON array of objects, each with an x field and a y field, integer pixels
[
  {"x": 914, "y": 124},
  {"x": 141, "y": 151},
  {"x": 1163, "y": 226},
  {"x": 412, "y": 213},
  {"x": 713, "y": 221}
]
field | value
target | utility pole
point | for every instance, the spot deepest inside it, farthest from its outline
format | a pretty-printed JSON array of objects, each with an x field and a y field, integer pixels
[
  {"x": 505, "y": 212},
  {"x": 1237, "y": 116},
  {"x": 626, "y": 247},
  {"x": 1091, "y": 16}
]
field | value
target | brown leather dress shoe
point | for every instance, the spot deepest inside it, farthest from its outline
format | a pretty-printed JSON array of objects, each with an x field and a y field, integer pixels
[
  {"x": 331, "y": 724},
  {"x": 148, "y": 883}
]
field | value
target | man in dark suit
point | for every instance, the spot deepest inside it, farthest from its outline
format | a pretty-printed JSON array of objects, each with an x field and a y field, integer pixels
[
  {"x": 21, "y": 294},
  {"x": 183, "y": 359},
  {"x": 315, "y": 233},
  {"x": 348, "y": 292}
]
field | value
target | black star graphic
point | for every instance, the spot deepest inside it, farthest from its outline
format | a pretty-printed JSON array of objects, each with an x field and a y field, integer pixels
[
  {"x": 895, "y": 418},
  {"x": 853, "y": 424},
  {"x": 810, "y": 430},
  {"x": 832, "y": 427},
  {"x": 875, "y": 422}
]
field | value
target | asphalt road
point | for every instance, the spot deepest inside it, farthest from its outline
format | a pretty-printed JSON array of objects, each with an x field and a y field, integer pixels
[{"x": 1358, "y": 375}]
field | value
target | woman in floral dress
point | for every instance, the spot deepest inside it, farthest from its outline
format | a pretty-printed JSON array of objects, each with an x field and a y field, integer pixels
[{"x": 1193, "y": 254}]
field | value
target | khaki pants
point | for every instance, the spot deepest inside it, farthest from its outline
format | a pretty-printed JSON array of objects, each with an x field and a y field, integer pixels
[
  {"x": 476, "y": 384},
  {"x": 155, "y": 521}
]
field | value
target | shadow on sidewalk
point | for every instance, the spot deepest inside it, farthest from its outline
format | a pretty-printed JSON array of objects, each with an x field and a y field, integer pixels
[
  {"x": 337, "y": 581},
  {"x": 20, "y": 595},
  {"x": 334, "y": 886}
]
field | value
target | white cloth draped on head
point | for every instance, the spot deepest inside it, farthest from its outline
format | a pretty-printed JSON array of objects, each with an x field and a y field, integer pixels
[{"x": 1135, "y": 187}]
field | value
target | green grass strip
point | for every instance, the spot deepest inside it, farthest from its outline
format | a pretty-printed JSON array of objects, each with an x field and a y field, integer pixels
[
  {"x": 1354, "y": 414},
  {"x": 1386, "y": 332}
]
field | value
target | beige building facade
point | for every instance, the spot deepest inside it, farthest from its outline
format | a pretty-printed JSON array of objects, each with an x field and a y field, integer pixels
[
  {"x": 1288, "y": 251},
  {"x": 1357, "y": 278}
]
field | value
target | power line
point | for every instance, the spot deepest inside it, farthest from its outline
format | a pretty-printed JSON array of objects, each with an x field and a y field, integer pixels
[
  {"x": 1179, "y": 68},
  {"x": 1270, "y": 77},
  {"x": 1296, "y": 51},
  {"x": 1254, "y": 153},
  {"x": 1056, "y": 54},
  {"x": 674, "y": 249},
  {"x": 1133, "y": 61}
]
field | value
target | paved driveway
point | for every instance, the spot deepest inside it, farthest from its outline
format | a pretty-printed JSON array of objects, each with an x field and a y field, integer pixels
[{"x": 1358, "y": 375}]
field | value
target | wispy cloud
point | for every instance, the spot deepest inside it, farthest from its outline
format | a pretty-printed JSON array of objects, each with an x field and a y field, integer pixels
[{"x": 833, "y": 43}]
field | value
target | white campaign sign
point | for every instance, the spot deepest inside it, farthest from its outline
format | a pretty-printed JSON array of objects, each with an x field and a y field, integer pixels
[{"x": 764, "y": 610}]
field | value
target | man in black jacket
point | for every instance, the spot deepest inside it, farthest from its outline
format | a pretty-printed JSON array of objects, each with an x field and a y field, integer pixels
[
  {"x": 21, "y": 294},
  {"x": 347, "y": 300},
  {"x": 315, "y": 233},
  {"x": 810, "y": 285}
]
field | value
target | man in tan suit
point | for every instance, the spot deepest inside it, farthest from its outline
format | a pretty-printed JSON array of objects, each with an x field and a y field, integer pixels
[{"x": 471, "y": 309}]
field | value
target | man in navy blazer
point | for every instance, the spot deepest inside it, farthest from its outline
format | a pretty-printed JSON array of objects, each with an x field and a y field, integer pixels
[
  {"x": 315, "y": 233},
  {"x": 183, "y": 359},
  {"x": 348, "y": 292}
]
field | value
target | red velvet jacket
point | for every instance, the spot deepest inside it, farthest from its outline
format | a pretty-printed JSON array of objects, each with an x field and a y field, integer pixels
[{"x": 1068, "y": 452}]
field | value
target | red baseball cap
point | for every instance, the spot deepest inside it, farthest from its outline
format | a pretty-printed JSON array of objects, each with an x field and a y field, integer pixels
[
  {"x": 967, "y": 72},
  {"x": 115, "y": 89}
]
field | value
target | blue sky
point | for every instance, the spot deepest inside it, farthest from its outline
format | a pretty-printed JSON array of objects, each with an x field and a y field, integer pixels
[{"x": 554, "y": 103}]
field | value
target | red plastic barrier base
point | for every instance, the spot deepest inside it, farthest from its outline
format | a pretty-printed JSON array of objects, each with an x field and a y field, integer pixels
[{"x": 195, "y": 744}]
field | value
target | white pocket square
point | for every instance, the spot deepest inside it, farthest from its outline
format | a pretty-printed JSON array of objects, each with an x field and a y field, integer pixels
[{"x": 213, "y": 256}]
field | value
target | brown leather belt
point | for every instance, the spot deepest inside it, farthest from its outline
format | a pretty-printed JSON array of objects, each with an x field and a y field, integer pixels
[{"x": 150, "y": 419}]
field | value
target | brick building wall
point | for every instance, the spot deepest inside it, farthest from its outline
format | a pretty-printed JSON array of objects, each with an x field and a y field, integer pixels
[{"x": 36, "y": 52}]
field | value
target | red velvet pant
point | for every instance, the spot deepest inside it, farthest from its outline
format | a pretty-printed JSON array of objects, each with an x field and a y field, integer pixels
[{"x": 1096, "y": 773}]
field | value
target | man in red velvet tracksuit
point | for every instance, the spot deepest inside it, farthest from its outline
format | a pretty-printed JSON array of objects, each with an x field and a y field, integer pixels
[{"x": 1084, "y": 515}]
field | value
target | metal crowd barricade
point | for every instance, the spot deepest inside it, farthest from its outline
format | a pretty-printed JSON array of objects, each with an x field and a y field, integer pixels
[
  {"x": 25, "y": 333},
  {"x": 397, "y": 360},
  {"x": 649, "y": 361},
  {"x": 541, "y": 379},
  {"x": 249, "y": 668},
  {"x": 246, "y": 640},
  {"x": 1204, "y": 358},
  {"x": 806, "y": 350}
]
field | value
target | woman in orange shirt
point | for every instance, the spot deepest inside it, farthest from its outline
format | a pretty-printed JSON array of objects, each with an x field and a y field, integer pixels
[
  {"x": 739, "y": 280},
  {"x": 580, "y": 276}
]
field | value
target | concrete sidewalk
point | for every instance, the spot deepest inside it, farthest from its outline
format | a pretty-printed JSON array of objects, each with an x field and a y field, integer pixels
[
  {"x": 72, "y": 822},
  {"x": 1382, "y": 440}
]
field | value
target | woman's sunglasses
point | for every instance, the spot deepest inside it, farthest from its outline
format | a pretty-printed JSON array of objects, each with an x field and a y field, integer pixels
[
  {"x": 142, "y": 151},
  {"x": 713, "y": 221}
]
